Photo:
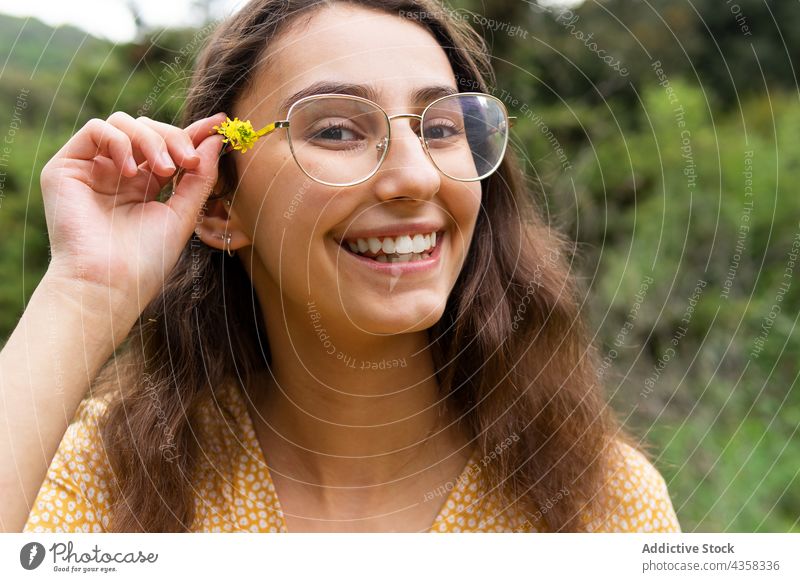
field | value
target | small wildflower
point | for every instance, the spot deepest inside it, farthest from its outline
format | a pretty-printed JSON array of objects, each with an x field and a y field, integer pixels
[{"x": 240, "y": 134}]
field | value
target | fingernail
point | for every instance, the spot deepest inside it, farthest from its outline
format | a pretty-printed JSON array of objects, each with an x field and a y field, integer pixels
[
  {"x": 130, "y": 164},
  {"x": 166, "y": 160}
]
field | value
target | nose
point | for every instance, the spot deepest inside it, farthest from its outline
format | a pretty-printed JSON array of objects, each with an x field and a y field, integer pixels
[{"x": 406, "y": 171}]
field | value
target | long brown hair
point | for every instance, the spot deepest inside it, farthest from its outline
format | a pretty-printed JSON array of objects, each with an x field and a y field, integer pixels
[{"x": 511, "y": 351}]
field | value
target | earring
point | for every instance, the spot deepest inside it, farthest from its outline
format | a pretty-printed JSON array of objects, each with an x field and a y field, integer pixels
[{"x": 227, "y": 243}]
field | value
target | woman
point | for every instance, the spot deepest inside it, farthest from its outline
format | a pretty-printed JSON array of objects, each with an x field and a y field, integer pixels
[{"x": 348, "y": 328}]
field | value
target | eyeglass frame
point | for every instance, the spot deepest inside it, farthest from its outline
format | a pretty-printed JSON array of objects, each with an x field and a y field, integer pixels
[{"x": 284, "y": 123}]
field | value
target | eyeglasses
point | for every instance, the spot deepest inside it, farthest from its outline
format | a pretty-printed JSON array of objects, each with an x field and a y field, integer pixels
[{"x": 342, "y": 140}]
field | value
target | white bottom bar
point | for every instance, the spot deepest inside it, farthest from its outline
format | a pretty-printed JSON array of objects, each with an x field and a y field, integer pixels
[{"x": 389, "y": 557}]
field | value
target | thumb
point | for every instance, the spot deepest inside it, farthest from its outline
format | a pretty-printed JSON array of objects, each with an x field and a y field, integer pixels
[{"x": 195, "y": 185}]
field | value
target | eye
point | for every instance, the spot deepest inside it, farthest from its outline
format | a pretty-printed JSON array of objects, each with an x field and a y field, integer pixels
[
  {"x": 336, "y": 131},
  {"x": 441, "y": 129}
]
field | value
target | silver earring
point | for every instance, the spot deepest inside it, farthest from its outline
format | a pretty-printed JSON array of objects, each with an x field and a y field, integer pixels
[{"x": 228, "y": 244}]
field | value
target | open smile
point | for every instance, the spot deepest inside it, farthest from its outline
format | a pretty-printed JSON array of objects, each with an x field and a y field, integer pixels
[{"x": 376, "y": 258}]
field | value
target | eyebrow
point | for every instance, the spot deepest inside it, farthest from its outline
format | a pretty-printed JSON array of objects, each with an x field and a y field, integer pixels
[{"x": 422, "y": 95}]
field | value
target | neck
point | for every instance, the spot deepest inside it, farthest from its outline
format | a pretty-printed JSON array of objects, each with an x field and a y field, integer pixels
[{"x": 348, "y": 409}]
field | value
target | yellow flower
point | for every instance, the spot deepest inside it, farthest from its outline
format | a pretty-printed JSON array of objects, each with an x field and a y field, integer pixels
[{"x": 240, "y": 134}]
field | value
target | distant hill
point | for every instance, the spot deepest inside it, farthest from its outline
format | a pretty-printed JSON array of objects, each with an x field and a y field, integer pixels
[
  {"x": 45, "y": 64},
  {"x": 31, "y": 46},
  {"x": 68, "y": 76}
]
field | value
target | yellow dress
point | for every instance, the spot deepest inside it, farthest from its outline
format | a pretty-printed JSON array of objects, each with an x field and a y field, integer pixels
[{"x": 234, "y": 491}]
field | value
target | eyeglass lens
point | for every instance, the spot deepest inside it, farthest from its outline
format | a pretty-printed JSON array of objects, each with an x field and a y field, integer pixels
[{"x": 339, "y": 140}]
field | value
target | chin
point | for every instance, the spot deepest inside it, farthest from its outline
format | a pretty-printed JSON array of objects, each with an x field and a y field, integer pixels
[{"x": 394, "y": 319}]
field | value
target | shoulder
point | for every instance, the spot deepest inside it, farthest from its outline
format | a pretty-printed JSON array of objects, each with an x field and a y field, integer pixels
[
  {"x": 82, "y": 438},
  {"x": 636, "y": 498},
  {"x": 75, "y": 494}
]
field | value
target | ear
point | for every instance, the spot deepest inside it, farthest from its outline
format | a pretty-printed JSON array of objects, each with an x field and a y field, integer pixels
[{"x": 216, "y": 221}]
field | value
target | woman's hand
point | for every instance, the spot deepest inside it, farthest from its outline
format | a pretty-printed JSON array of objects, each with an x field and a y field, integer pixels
[{"x": 106, "y": 228}]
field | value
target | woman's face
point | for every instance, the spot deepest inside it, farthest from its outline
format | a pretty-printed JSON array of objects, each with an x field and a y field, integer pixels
[{"x": 300, "y": 229}]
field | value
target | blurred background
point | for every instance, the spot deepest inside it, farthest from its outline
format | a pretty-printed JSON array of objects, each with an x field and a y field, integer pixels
[{"x": 662, "y": 136}]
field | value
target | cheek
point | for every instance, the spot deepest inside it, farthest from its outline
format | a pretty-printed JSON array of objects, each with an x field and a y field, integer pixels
[
  {"x": 284, "y": 214},
  {"x": 272, "y": 195},
  {"x": 472, "y": 205},
  {"x": 464, "y": 204}
]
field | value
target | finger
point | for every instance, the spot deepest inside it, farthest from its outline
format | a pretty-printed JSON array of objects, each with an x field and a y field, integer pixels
[
  {"x": 202, "y": 128},
  {"x": 98, "y": 137},
  {"x": 179, "y": 144},
  {"x": 146, "y": 142},
  {"x": 144, "y": 187},
  {"x": 196, "y": 184}
]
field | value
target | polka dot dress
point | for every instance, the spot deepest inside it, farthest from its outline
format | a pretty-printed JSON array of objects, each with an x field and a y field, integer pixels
[{"x": 233, "y": 490}]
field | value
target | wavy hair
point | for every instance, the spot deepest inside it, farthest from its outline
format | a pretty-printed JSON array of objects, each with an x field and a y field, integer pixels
[{"x": 511, "y": 352}]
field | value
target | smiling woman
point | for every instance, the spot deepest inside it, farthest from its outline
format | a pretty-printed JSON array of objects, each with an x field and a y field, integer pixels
[{"x": 381, "y": 221}]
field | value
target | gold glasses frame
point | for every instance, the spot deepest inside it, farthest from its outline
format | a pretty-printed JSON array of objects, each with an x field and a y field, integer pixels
[{"x": 383, "y": 147}]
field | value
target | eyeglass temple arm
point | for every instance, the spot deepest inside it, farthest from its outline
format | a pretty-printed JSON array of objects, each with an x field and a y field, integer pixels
[
  {"x": 266, "y": 130},
  {"x": 511, "y": 121}
]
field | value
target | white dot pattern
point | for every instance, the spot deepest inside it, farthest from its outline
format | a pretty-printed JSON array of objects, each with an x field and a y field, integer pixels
[{"x": 233, "y": 490}]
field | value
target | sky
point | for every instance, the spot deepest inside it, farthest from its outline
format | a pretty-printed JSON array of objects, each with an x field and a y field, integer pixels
[{"x": 111, "y": 19}]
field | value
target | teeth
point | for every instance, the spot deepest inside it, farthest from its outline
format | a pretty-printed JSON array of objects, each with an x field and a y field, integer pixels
[
  {"x": 404, "y": 258},
  {"x": 401, "y": 245},
  {"x": 419, "y": 243}
]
